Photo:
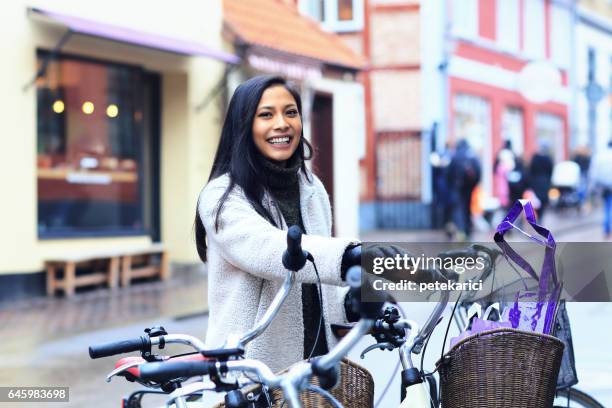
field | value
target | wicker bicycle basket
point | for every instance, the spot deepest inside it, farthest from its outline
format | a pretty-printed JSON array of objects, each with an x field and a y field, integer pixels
[
  {"x": 501, "y": 368},
  {"x": 355, "y": 389}
]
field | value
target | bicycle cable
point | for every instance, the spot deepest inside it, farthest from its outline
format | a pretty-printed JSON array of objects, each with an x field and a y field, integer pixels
[
  {"x": 450, "y": 319},
  {"x": 423, "y": 352},
  {"x": 264, "y": 388},
  {"x": 311, "y": 259},
  {"x": 314, "y": 345}
]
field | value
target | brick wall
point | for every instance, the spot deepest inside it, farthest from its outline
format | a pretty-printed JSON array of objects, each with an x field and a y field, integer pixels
[
  {"x": 396, "y": 97},
  {"x": 395, "y": 38}
]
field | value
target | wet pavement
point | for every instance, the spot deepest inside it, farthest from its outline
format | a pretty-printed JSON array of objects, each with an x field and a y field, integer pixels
[
  {"x": 94, "y": 309},
  {"x": 45, "y": 340},
  {"x": 567, "y": 225}
]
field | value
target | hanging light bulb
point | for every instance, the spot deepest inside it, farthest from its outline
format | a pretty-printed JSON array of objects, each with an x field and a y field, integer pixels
[
  {"x": 58, "y": 106},
  {"x": 88, "y": 107},
  {"x": 112, "y": 110}
]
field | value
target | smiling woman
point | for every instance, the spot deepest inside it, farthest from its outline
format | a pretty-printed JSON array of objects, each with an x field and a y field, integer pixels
[
  {"x": 277, "y": 127},
  {"x": 259, "y": 186}
]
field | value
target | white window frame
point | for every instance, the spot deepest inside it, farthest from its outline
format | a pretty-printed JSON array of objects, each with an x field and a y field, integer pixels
[
  {"x": 508, "y": 25},
  {"x": 560, "y": 35},
  {"x": 534, "y": 29},
  {"x": 465, "y": 19},
  {"x": 330, "y": 13}
]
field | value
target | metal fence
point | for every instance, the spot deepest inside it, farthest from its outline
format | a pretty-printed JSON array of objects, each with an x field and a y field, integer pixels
[{"x": 399, "y": 181}]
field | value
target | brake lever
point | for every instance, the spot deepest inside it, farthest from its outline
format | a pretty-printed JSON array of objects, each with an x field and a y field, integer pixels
[
  {"x": 193, "y": 388},
  {"x": 382, "y": 346},
  {"x": 122, "y": 368}
]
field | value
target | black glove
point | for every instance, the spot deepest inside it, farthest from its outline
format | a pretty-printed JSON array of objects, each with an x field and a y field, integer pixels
[
  {"x": 351, "y": 257},
  {"x": 349, "y": 307}
]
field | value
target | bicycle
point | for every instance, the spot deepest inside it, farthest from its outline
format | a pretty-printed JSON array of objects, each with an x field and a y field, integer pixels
[
  {"x": 390, "y": 331},
  {"x": 130, "y": 367},
  {"x": 570, "y": 397},
  {"x": 295, "y": 379},
  {"x": 418, "y": 388}
]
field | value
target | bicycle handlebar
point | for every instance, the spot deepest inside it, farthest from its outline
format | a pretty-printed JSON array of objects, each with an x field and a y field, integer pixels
[
  {"x": 141, "y": 343},
  {"x": 294, "y": 258},
  {"x": 161, "y": 372},
  {"x": 291, "y": 382}
]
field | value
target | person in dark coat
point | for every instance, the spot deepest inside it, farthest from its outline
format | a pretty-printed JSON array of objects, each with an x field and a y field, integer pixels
[
  {"x": 442, "y": 206},
  {"x": 540, "y": 175},
  {"x": 464, "y": 173},
  {"x": 582, "y": 157},
  {"x": 517, "y": 180}
]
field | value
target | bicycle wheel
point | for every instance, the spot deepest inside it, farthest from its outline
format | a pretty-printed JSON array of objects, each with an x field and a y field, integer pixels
[{"x": 574, "y": 398}]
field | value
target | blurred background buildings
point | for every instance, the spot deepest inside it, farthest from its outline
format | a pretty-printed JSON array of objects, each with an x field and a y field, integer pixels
[{"x": 118, "y": 113}]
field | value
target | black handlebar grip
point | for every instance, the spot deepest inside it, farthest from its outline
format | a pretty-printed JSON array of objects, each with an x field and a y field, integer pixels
[
  {"x": 294, "y": 240},
  {"x": 141, "y": 343},
  {"x": 166, "y": 371},
  {"x": 294, "y": 258}
]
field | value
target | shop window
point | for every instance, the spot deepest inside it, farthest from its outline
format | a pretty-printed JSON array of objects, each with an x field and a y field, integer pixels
[
  {"x": 335, "y": 15},
  {"x": 91, "y": 175}
]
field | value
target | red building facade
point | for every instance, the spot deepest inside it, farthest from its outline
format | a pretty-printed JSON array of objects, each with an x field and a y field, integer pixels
[{"x": 508, "y": 76}]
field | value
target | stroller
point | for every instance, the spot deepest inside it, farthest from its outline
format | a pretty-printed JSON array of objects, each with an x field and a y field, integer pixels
[{"x": 565, "y": 190}]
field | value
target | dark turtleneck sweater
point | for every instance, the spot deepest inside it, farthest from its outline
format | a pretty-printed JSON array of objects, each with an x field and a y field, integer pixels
[{"x": 285, "y": 189}]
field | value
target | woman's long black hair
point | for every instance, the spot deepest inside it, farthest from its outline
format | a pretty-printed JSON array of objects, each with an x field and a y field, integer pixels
[{"x": 237, "y": 154}]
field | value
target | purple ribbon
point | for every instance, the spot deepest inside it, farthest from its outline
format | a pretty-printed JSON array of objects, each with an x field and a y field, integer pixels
[{"x": 548, "y": 272}]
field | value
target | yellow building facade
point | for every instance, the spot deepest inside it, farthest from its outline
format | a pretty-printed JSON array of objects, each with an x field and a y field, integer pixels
[{"x": 160, "y": 65}]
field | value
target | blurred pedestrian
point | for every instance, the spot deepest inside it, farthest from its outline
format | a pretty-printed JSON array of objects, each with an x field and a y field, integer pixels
[
  {"x": 600, "y": 174},
  {"x": 441, "y": 191},
  {"x": 464, "y": 173},
  {"x": 582, "y": 156},
  {"x": 504, "y": 164},
  {"x": 540, "y": 175},
  {"x": 517, "y": 180}
]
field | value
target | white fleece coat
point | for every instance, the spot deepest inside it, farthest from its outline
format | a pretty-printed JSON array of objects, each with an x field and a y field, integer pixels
[{"x": 245, "y": 270}]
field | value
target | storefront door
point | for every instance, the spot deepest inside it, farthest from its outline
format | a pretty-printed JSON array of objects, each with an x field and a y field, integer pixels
[{"x": 322, "y": 138}]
